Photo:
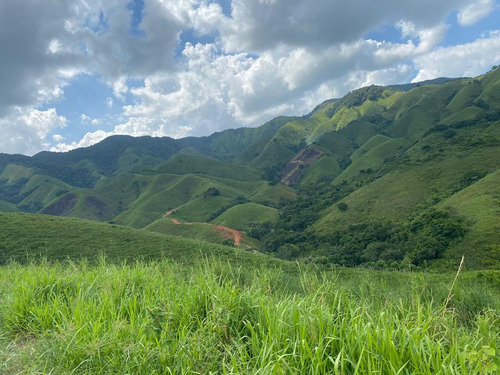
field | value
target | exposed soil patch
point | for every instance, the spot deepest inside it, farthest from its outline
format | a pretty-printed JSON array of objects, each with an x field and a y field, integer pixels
[
  {"x": 225, "y": 232},
  {"x": 292, "y": 172},
  {"x": 235, "y": 234},
  {"x": 175, "y": 221},
  {"x": 170, "y": 212}
]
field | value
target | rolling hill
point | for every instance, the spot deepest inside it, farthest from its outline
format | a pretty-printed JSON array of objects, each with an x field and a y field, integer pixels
[
  {"x": 29, "y": 237},
  {"x": 307, "y": 185}
]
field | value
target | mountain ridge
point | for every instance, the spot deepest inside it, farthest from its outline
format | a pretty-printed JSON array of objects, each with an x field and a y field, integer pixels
[{"x": 415, "y": 146}]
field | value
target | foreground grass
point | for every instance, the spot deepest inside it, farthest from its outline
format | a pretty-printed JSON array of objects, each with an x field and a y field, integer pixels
[{"x": 160, "y": 318}]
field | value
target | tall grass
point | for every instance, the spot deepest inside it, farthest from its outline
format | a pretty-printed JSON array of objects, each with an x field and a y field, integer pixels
[{"x": 212, "y": 318}]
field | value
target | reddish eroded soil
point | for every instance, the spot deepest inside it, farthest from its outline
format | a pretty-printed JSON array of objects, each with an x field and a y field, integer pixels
[
  {"x": 225, "y": 231},
  {"x": 237, "y": 235}
]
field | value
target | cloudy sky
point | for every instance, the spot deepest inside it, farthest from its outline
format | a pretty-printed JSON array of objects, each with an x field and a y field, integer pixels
[{"x": 73, "y": 72}]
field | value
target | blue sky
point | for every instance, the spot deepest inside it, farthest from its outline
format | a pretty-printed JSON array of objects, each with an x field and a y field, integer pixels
[{"x": 75, "y": 72}]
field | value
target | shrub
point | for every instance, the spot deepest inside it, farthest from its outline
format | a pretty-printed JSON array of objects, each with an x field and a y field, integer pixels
[
  {"x": 342, "y": 206},
  {"x": 211, "y": 192}
]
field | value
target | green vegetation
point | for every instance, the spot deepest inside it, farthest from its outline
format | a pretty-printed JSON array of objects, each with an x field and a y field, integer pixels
[
  {"x": 8, "y": 207},
  {"x": 198, "y": 231},
  {"x": 26, "y": 237},
  {"x": 184, "y": 164},
  {"x": 358, "y": 171},
  {"x": 202, "y": 231},
  {"x": 159, "y": 317},
  {"x": 242, "y": 216}
]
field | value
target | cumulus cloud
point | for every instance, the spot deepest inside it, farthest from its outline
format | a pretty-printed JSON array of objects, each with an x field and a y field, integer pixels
[
  {"x": 472, "y": 13},
  {"x": 46, "y": 44},
  {"x": 269, "y": 57},
  {"x": 57, "y": 138},
  {"x": 469, "y": 59},
  {"x": 25, "y": 130},
  {"x": 258, "y": 25},
  {"x": 216, "y": 90},
  {"x": 34, "y": 60},
  {"x": 88, "y": 140}
]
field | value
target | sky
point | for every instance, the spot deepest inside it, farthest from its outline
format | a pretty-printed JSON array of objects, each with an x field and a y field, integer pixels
[{"x": 74, "y": 72}]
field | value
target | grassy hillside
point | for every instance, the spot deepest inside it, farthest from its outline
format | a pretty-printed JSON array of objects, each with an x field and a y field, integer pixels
[
  {"x": 26, "y": 237},
  {"x": 243, "y": 216},
  {"x": 189, "y": 197},
  {"x": 85, "y": 204},
  {"x": 139, "y": 198},
  {"x": 8, "y": 207},
  {"x": 399, "y": 193},
  {"x": 383, "y": 156},
  {"x": 185, "y": 164},
  {"x": 204, "y": 231},
  {"x": 371, "y": 155},
  {"x": 198, "y": 231},
  {"x": 479, "y": 203},
  {"x": 13, "y": 173},
  {"x": 40, "y": 191}
]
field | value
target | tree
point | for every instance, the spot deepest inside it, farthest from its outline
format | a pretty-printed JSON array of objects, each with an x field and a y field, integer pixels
[
  {"x": 342, "y": 206},
  {"x": 211, "y": 192}
]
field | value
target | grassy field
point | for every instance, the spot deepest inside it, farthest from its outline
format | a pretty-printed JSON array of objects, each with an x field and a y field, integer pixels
[
  {"x": 243, "y": 215},
  {"x": 115, "y": 300},
  {"x": 200, "y": 231},
  {"x": 26, "y": 237},
  {"x": 213, "y": 318}
]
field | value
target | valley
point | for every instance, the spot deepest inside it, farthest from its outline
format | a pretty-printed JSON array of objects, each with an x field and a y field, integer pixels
[
  {"x": 250, "y": 187},
  {"x": 300, "y": 188},
  {"x": 322, "y": 244}
]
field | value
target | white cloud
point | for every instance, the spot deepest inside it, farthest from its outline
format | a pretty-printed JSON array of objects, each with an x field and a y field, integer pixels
[
  {"x": 84, "y": 118},
  {"x": 270, "y": 57},
  {"x": 25, "y": 130},
  {"x": 206, "y": 18},
  {"x": 88, "y": 140},
  {"x": 262, "y": 25},
  {"x": 216, "y": 91},
  {"x": 472, "y": 13},
  {"x": 42, "y": 122},
  {"x": 46, "y": 44},
  {"x": 468, "y": 60},
  {"x": 57, "y": 138},
  {"x": 120, "y": 88}
]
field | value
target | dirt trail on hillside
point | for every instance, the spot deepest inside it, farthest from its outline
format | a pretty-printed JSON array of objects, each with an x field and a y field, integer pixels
[
  {"x": 170, "y": 212},
  {"x": 175, "y": 221},
  {"x": 235, "y": 234}
]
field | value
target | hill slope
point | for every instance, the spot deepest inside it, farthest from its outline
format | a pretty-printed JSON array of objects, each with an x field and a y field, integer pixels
[
  {"x": 26, "y": 237},
  {"x": 378, "y": 156}
]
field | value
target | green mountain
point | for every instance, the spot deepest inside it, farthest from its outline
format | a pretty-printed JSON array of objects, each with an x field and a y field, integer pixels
[{"x": 398, "y": 176}]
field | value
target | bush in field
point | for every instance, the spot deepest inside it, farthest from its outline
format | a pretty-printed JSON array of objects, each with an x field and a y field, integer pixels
[{"x": 342, "y": 206}]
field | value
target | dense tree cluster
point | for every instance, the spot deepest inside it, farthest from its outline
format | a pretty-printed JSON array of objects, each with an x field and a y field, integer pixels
[{"x": 415, "y": 241}]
